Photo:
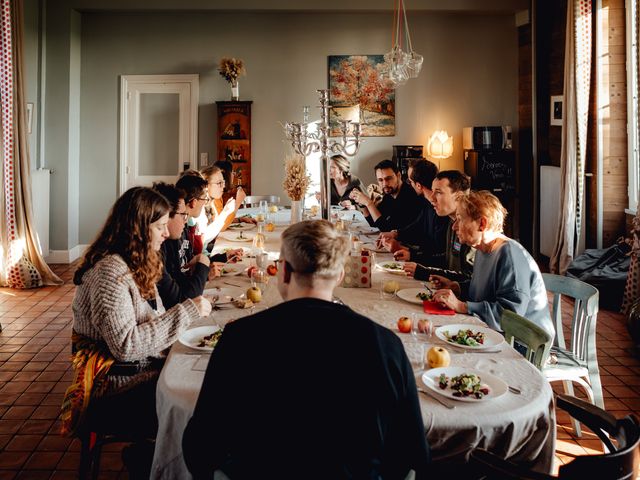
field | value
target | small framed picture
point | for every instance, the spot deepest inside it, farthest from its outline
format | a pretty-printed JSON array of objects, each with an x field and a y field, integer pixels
[{"x": 556, "y": 110}]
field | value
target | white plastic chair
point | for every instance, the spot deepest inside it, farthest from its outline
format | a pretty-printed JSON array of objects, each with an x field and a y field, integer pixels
[{"x": 579, "y": 362}]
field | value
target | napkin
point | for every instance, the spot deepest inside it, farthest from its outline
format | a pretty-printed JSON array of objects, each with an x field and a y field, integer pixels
[{"x": 436, "y": 308}]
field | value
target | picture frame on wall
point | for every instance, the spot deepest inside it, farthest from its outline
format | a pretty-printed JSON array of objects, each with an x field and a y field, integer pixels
[
  {"x": 355, "y": 88},
  {"x": 556, "y": 109}
]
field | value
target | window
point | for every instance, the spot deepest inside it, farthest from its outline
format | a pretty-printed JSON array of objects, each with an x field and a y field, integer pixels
[{"x": 632, "y": 103}]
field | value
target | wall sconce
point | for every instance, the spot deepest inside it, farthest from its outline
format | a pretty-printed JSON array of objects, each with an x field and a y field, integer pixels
[{"x": 440, "y": 145}]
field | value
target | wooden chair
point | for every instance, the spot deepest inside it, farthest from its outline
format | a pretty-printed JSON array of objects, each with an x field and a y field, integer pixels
[
  {"x": 535, "y": 339},
  {"x": 579, "y": 362},
  {"x": 254, "y": 200},
  {"x": 622, "y": 461}
]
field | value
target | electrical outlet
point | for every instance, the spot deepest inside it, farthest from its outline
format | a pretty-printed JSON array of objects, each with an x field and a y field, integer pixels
[{"x": 204, "y": 159}]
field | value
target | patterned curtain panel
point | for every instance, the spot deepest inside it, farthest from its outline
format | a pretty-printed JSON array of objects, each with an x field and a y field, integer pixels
[
  {"x": 21, "y": 265},
  {"x": 577, "y": 81},
  {"x": 632, "y": 288}
]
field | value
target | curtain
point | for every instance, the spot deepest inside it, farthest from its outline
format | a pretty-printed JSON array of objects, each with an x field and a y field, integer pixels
[
  {"x": 577, "y": 81},
  {"x": 632, "y": 288},
  {"x": 21, "y": 265}
]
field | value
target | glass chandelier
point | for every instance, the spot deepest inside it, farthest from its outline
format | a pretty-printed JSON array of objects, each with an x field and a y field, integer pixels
[{"x": 399, "y": 66}]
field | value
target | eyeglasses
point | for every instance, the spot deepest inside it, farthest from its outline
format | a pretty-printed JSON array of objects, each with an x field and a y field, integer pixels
[
  {"x": 184, "y": 215},
  {"x": 205, "y": 198},
  {"x": 219, "y": 184}
]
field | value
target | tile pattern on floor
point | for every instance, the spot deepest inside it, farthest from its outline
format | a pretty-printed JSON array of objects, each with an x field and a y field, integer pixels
[{"x": 35, "y": 371}]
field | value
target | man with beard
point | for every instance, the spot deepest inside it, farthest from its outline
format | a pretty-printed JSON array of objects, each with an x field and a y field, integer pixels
[{"x": 399, "y": 205}]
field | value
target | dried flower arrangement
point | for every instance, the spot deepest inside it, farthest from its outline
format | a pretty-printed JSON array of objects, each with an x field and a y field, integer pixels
[
  {"x": 231, "y": 68},
  {"x": 296, "y": 180}
]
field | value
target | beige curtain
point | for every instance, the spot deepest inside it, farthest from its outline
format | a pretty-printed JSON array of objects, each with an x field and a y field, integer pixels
[
  {"x": 577, "y": 81},
  {"x": 21, "y": 265}
]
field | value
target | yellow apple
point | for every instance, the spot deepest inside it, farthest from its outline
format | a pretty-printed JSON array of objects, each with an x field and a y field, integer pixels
[
  {"x": 254, "y": 294},
  {"x": 391, "y": 286},
  {"x": 438, "y": 357}
]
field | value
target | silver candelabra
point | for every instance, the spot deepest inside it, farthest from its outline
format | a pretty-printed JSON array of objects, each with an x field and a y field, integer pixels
[{"x": 305, "y": 143}]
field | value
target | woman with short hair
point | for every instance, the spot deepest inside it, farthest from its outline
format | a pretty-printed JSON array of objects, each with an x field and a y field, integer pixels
[{"x": 505, "y": 276}]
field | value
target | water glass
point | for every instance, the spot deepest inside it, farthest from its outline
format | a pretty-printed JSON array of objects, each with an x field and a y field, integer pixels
[
  {"x": 262, "y": 260},
  {"x": 421, "y": 327},
  {"x": 417, "y": 354},
  {"x": 264, "y": 207},
  {"x": 388, "y": 289}
]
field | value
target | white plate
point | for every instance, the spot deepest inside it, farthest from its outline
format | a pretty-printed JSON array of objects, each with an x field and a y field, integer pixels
[
  {"x": 365, "y": 230},
  {"x": 409, "y": 294},
  {"x": 373, "y": 248},
  {"x": 222, "y": 296},
  {"x": 492, "y": 338},
  {"x": 233, "y": 269},
  {"x": 235, "y": 236},
  {"x": 192, "y": 337},
  {"x": 497, "y": 386},
  {"x": 242, "y": 226},
  {"x": 398, "y": 271}
]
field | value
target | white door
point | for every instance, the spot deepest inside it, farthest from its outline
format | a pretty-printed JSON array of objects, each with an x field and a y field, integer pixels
[{"x": 158, "y": 128}]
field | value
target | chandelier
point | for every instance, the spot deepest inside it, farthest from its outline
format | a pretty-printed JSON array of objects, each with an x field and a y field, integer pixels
[{"x": 399, "y": 66}]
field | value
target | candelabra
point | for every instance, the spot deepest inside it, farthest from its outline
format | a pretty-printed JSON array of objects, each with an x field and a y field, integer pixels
[{"x": 305, "y": 143}]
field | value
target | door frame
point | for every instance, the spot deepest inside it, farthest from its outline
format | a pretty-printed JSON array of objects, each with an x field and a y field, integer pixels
[{"x": 126, "y": 81}]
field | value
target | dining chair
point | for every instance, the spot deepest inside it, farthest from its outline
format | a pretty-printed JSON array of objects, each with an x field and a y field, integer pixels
[
  {"x": 621, "y": 462},
  {"x": 579, "y": 362},
  {"x": 254, "y": 200},
  {"x": 520, "y": 331}
]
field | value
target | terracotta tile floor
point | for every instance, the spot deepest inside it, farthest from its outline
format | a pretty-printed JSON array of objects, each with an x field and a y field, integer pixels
[{"x": 35, "y": 371}]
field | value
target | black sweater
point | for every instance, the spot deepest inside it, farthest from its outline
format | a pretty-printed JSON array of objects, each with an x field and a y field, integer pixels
[
  {"x": 307, "y": 389},
  {"x": 399, "y": 212}
]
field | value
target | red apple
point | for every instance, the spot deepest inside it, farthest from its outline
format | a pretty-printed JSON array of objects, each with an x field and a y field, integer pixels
[
  {"x": 404, "y": 325},
  {"x": 272, "y": 270},
  {"x": 250, "y": 270}
]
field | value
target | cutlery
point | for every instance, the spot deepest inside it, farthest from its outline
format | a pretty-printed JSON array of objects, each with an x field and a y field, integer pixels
[
  {"x": 515, "y": 390},
  {"x": 232, "y": 284},
  {"x": 437, "y": 399}
]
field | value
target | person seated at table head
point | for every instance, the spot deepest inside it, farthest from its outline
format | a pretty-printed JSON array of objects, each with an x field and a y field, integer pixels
[
  {"x": 175, "y": 286},
  {"x": 308, "y": 388},
  {"x": 342, "y": 181},
  {"x": 397, "y": 208},
  {"x": 216, "y": 217},
  {"x": 424, "y": 240},
  {"x": 116, "y": 306},
  {"x": 458, "y": 256},
  {"x": 505, "y": 276}
]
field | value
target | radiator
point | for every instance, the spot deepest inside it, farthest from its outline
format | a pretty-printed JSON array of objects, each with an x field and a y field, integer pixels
[
  {"x": 40, "y": 186},
  {"x": 549, "y": 207}
]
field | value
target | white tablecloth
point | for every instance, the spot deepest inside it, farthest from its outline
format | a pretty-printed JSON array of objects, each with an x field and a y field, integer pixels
[{"x": 520, "y": 427}]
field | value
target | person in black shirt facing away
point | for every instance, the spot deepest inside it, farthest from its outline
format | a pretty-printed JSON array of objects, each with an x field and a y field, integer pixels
[
  {"x": 399, "y": 205},
  {"x": 308, "y": 388}
]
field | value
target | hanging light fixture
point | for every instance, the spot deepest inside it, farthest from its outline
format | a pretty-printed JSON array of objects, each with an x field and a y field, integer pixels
[{"x": 399, "y": 66}]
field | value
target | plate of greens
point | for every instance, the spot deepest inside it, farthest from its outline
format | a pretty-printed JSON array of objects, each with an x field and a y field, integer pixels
[
  {"x": 471, "y": 337},
  {"x": 464, "y": 384}
]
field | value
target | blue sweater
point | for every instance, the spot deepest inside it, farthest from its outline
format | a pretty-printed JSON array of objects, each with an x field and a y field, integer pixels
[{"x": 508, "y": 278}]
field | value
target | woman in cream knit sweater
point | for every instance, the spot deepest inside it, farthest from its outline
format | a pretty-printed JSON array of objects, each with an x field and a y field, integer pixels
[{"x": 116, "y": 304}]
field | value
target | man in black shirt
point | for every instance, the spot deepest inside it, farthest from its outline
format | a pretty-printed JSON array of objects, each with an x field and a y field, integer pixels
[
  {"x": 399, "y": 205},
  {"x": 308, "y": 388}
]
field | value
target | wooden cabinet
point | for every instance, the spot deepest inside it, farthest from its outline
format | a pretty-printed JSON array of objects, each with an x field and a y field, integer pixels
[{"x": 234, "y": 141}]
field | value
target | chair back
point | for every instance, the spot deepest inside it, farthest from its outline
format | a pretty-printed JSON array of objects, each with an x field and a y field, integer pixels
[
  {"x": 254, "y": 200},
  {"x": 522, "y": 330},
  {"x": 585, "y": 314}
]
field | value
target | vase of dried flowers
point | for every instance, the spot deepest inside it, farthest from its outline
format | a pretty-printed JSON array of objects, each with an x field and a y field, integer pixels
[
  {"x": 296, "y": 182},
  {"x": 230, "y": 69}
]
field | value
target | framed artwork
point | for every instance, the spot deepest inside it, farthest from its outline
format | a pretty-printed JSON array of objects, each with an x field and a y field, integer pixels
[
  {"x": 556, "y": 110},
  {"x": 234, "y": 142},
  {"x": 356, "y": 92}
]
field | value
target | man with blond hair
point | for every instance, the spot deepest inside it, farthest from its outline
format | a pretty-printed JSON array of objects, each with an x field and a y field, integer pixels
[{"x": 307, "y": 388}]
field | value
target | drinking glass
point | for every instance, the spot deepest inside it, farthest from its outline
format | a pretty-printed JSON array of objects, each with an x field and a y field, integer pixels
[
  {"x": 262, "y": 261},
  {"x": 388, "y": 289},
  {"x": 421, "y": 327},
  {"x": 264, "y": 206},
  {"x": 417, "y": 353},
  {"x": 258, "y": 240}
]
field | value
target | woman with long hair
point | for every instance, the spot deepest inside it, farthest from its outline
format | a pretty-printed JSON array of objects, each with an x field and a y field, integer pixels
[
  {"x": 118, "y": 317},
  {"x": 343, "y": 182}
]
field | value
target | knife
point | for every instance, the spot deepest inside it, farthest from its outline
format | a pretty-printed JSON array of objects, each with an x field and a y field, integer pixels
[{"x": 437, "y": 398}]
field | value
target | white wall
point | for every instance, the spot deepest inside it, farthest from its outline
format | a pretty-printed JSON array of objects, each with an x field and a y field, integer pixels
[{"x": 469, "y": 77}]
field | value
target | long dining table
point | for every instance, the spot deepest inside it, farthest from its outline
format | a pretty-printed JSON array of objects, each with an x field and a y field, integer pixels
[{"x": 520, "y": 427}]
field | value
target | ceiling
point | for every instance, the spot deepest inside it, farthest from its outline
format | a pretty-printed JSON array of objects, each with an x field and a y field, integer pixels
[{"x": 451, "y": 6}]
